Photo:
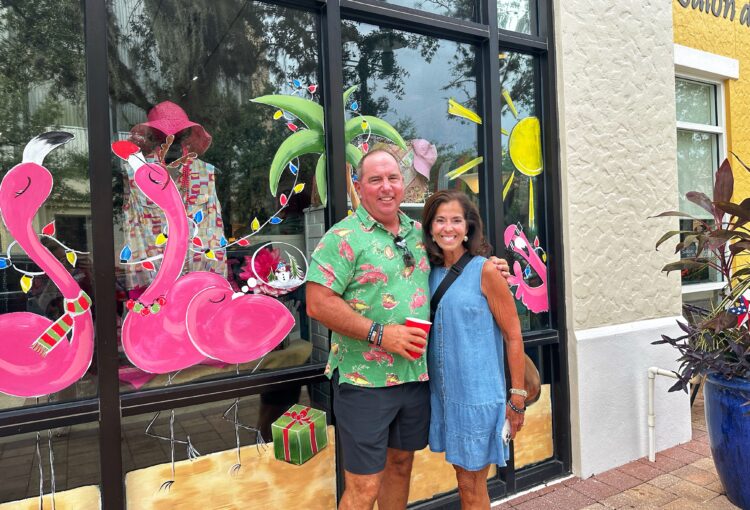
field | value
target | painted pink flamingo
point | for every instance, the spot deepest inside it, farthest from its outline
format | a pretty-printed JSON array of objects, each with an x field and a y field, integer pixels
[
  {"x": 535, "y": 298},
  {"x": 35, "y": 358},
  {"x": 234, "y": 327},
  {"x": 158, "y": 342},
  {"x": 198, "y": 315}
]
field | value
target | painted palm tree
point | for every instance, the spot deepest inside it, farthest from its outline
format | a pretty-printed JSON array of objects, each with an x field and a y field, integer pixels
[{"x": 311, "y": 138}]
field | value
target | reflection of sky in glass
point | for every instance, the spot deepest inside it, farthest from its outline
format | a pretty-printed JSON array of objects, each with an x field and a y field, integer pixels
[{"x": 424, "y": 100}]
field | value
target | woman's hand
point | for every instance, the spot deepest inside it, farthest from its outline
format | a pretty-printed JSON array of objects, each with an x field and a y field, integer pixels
[{"x": 515, "y": 419}]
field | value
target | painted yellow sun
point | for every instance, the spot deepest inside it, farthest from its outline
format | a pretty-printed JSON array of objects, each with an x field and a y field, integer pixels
[{"x": 524, "y": 148}]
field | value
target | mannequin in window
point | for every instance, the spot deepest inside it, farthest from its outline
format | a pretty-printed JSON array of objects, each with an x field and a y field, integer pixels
[{"x": 196, "y": 180}]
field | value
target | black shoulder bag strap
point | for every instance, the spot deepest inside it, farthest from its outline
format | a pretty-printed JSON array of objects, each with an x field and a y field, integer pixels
[{"x": 453, "y": 273}]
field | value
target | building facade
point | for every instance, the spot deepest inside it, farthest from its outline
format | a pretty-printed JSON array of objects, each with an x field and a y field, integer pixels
[{"x": 558, "y": 118}]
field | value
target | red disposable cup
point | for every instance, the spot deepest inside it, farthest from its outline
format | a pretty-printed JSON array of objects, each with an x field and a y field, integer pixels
[{"x": 421, "y": 324}]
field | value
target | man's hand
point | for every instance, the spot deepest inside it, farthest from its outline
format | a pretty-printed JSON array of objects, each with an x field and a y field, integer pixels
[
  {"x": 502, "y": 266},
  {"x": 403, "y": 340}
]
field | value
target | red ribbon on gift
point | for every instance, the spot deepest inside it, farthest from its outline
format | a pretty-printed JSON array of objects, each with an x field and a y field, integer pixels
[{"x": 302, "y": 419}]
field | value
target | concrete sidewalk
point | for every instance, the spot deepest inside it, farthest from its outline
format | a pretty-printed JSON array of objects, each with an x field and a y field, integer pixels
[{"x": 682, "y": 478}]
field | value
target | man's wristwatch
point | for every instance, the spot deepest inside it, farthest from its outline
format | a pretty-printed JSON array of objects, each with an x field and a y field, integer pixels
[{"x": 516, "y": 391}]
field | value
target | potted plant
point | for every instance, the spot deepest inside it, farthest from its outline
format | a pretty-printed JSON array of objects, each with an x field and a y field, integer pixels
[{"x": 716, "y": 341}]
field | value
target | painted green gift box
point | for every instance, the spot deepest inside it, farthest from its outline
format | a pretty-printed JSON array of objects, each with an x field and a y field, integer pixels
[{"x": 299, "y": 434}]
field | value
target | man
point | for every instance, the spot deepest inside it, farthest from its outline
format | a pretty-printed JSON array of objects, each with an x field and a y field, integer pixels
[{"x": 367, "y": 275}]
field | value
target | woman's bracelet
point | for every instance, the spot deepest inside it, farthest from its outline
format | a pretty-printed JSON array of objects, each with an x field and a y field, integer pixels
[{"x": 515, "y": 409}]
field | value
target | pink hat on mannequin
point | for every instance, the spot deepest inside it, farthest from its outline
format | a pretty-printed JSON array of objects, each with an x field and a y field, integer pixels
[
  {"x": 170, "y": 119},
  {"x": 425, "y": 155}
]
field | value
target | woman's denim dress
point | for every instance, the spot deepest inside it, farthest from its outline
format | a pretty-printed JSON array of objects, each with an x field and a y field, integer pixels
[{"x": 467, "y": 379}]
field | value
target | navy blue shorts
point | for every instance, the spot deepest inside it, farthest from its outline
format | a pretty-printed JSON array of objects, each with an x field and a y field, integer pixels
[{"x": 371, "y": 420}]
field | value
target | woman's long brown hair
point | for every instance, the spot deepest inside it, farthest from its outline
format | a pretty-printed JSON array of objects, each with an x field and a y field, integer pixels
[{"x": 476, "y": 245}]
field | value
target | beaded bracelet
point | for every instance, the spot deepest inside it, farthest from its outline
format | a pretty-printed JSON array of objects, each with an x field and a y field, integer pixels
[{"x": 515, "y": 409}]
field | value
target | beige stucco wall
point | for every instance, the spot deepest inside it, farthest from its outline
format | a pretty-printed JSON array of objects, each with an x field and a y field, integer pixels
[
  {"x": 617, "y": 133},
  {"x": 615, "y": 78}
]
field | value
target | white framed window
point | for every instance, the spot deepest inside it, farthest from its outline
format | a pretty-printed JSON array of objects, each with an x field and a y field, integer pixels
[
  {"x": 701, "y": 147},
  {"x": 701, "y": 141}
]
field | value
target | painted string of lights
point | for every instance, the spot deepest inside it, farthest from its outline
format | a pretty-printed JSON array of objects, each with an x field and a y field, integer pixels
[
  {"x": 196, "y": 243},
  {"x": 27, "y": 278}
]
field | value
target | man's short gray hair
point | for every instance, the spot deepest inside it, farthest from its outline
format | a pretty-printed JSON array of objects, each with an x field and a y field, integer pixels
[{"x": 361, "y": 164}]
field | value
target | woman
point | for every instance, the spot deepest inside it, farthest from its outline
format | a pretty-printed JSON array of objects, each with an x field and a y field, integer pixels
[{"x": 465, "y": 357}]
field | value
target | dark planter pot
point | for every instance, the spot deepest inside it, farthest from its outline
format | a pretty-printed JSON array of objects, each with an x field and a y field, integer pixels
[{"x": 728, "y": 423}]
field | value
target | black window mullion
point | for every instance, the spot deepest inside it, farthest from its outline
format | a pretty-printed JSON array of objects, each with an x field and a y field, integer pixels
[
  {"x": 542, "y": 13},
  {"x": 534, "y": 21},
  {"x": 331, "y": 51},
  {"x": 159, "y": 399},
  {"x": 34, "y": 419},
  {"x": 490, "y": 175},
  {"x": 333, "y": 88},
  {"x": 102, "y": 219},
  {"x": 516, "y": 41}
]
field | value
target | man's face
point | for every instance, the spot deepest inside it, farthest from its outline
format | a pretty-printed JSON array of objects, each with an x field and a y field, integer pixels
[{"x": 381, "y": 187}]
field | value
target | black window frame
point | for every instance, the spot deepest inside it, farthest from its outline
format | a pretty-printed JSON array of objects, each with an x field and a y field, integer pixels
[{"x": 110, "y": 406}]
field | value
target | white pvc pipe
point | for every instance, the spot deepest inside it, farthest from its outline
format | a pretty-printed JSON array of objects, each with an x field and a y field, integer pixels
[{"x": 652, "y": 373}]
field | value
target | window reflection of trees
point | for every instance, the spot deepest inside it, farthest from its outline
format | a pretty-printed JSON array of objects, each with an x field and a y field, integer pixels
[
  {"x": 514, "y": 15},
  {"x": 464, "y": 9},
  {"x": 390, "y": 67},
  {"x": 213, "y": 57},
  {"x": 695, "y": 102},
  {"x": 42, "y": 73}
]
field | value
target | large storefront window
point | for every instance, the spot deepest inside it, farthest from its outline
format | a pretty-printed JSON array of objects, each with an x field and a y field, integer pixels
[
  {"x": 234, "y": 210},
  {"x": 523, "y": 188},
  {"x": 193, "y": 164},
  {"x": 42, "y": 85}
]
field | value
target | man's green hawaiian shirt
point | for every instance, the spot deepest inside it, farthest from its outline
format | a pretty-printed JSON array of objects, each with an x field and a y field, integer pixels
[{"x": 358, "y": 259}]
